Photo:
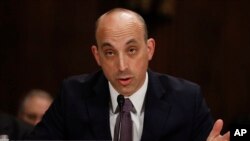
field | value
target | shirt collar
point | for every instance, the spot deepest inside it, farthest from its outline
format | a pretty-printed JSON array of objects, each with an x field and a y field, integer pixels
[{"x": 136, "y": 98}]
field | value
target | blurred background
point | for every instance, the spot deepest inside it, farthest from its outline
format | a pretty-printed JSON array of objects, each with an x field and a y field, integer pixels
[{"x": 43, "y": 42}]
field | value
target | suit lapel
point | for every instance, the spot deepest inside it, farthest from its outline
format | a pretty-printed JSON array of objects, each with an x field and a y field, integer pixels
[
  {"x": 156, "y": 109},
  {"x": 98, "y": 109}
]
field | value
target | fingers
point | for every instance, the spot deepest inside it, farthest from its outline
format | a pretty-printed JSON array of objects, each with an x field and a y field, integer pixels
[
  {"x": 215, "y": 132},
  {"x": 226, "y": 137},
  {"x": 216, "y": 128}
]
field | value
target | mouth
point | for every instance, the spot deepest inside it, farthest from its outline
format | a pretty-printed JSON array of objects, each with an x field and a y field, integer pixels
[{"x": 125, "y": 81}]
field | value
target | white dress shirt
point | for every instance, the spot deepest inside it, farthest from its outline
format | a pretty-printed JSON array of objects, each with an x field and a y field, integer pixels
[{"x": 137, "y": 117}]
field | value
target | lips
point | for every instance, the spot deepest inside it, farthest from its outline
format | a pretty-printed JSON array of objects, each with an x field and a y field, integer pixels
[{"x": 125, "y": 81}]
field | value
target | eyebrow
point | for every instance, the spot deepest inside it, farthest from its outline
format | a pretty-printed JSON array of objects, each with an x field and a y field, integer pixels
[
  {"x": 131, "y": 41},
  {"x": 105, "y": 44}
]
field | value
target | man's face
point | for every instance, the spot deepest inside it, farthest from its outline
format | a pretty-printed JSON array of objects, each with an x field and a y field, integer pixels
[{"x": 122, "y": 52}]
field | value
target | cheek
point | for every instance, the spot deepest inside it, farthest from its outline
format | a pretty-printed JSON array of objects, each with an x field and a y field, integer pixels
[
  {"x": 140, "y": 65},
  {"x": 108, "y": 69},
  {"x": 144, "y": 59},
  {"x": 106, "y": 64}
]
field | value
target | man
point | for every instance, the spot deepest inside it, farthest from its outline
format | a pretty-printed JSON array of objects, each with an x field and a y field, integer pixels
[
  {"x": 163, "y": 107},
  {"x": 34, "y": 105}
]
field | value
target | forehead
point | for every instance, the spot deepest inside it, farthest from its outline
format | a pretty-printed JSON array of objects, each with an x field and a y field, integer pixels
[
  {"x": 118, "y": 17},
  {"x": 118, "y": 26},
  {"x": 37, "y": 100}
]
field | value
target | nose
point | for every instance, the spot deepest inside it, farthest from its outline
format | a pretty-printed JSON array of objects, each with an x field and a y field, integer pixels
[{"x": 122, "y": 62}]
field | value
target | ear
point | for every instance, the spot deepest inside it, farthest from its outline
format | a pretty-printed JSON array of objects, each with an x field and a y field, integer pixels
[
  {"x": 96, "y": 54},
  {"x": 151, "y": 48}
]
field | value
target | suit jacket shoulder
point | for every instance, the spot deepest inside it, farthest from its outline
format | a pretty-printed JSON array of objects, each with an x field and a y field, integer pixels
[
  {"x": 175, "y": 110},
  {"x": 79, "y": 112}
]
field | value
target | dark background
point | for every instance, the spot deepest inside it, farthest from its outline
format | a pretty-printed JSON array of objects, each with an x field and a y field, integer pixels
[{"x": 205, "y": 41}]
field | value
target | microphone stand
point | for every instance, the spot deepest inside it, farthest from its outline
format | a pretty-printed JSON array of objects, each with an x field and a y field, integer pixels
[{"x": 120, "y": 101}]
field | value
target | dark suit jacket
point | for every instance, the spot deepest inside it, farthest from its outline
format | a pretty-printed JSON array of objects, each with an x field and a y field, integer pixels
[
  {"x": 15, "y": 129},
  {"x": 174, "y": 111}
]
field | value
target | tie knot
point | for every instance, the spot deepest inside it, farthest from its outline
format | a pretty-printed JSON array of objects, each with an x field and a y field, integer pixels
[{"x": 128, "y": 106}]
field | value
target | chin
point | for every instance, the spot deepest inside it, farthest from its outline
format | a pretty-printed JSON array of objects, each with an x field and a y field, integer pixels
[{"x": 126, "y": 93}]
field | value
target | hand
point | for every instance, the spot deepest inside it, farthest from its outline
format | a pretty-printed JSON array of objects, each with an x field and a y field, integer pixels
[{"x": 215, "y": 133}]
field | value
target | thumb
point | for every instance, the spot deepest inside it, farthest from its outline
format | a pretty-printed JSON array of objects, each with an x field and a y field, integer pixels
[{"x": 216, "y": 129}]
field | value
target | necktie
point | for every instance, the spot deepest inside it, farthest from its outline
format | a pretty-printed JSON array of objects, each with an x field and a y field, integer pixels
[{"x": 126, "y": 122}]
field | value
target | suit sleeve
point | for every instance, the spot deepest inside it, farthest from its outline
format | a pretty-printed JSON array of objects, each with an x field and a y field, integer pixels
[{"x": 202, "y": 122}]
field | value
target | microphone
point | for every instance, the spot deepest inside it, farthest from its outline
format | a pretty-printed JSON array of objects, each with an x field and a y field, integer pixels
[{"x": 120, "y": 101}]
